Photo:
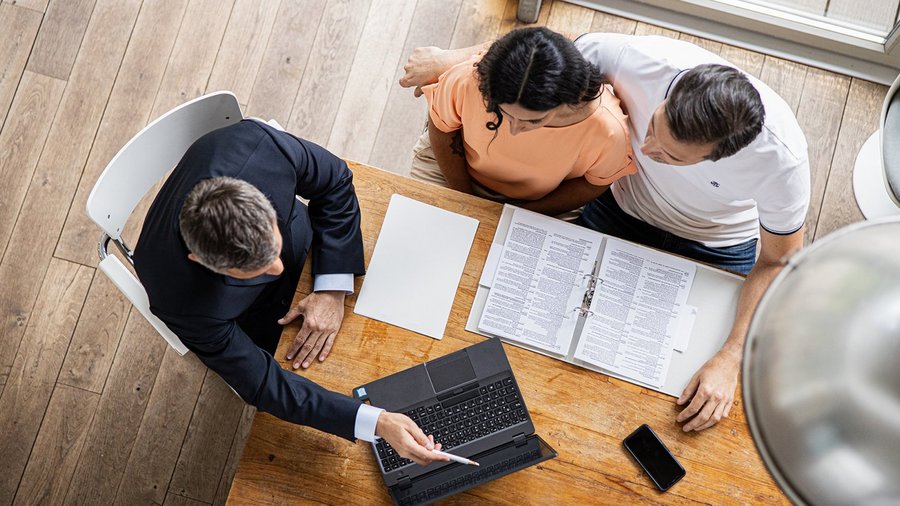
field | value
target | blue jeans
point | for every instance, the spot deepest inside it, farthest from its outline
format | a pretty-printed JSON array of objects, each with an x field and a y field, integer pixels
[{"x": 604, "y": 215}]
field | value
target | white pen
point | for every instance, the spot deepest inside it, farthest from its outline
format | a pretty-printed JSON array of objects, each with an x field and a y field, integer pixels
[{"x": 455, "y": 458}]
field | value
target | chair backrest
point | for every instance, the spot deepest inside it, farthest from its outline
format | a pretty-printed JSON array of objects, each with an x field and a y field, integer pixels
[
  {"x": 143, "y": 161},
  {"x": 125, "y": 281},
  {"x": 150, "y": 154}
]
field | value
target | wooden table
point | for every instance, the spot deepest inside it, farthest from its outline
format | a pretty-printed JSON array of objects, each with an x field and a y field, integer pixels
[{"x": 582, "y": 414}]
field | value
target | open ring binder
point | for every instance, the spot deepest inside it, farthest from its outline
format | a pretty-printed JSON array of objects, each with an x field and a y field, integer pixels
[
  {"x": 585, "y": 309},
  {"x": 597, "y": 341},
  {"x": 583, "y": 312}
]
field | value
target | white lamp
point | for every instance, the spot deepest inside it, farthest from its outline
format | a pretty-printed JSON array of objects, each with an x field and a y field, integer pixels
[{"x": 821, "y": 370}]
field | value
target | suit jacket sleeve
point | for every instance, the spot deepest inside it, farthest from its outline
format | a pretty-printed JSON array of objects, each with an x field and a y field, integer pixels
[
  {"x": 259, "y": 379},
  {"x": 326, "y": 181}
]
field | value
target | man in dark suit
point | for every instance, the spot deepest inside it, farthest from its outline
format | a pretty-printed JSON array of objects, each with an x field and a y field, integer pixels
[{"x": 220, "y": 255}]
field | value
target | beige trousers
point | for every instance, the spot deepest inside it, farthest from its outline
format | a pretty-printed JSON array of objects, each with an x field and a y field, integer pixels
[{"x": 425, "y": 168}]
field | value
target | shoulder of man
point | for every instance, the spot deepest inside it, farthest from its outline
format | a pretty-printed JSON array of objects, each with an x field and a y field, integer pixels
[{"x": 781, "y": 128}]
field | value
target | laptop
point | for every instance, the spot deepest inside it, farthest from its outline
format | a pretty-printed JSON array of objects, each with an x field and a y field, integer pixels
[{"x": 470, "y": 401}]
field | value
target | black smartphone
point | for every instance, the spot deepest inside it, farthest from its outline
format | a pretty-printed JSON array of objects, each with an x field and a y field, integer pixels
[{"x": 650, "y": 452}]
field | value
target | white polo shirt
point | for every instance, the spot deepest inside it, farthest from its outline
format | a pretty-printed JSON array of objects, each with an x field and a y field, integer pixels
[{"x": 720, "y": 203}]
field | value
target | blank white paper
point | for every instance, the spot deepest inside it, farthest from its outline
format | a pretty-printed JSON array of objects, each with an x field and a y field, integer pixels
[
  {"x": 415, "y": 269},
  {"x": 685, "y": 327}
]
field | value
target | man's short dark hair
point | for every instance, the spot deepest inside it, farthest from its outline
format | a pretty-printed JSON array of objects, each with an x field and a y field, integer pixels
[
  {"x": 715, "y": 104},
  {"x": 227, "y": 224}
]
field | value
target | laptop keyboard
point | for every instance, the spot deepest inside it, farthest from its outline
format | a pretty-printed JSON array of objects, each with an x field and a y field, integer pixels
[
  {"x": 474, "y": 478},
  {"x": 466, "y": 417}
]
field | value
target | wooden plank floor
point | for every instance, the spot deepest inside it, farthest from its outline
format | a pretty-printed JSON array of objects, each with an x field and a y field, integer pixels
[{"x": 94, "y": 409}]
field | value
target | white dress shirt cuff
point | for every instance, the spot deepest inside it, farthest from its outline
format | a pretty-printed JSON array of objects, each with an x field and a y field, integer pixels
[
  {"x": 366, "y": 419},
  {"x": 333, "y": 282}
]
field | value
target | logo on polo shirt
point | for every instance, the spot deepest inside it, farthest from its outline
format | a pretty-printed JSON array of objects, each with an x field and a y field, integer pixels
[{"x": 714, "y": 183}]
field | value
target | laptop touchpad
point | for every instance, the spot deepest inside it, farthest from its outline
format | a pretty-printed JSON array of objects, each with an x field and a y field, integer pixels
[{"x": 450, "y": 371}]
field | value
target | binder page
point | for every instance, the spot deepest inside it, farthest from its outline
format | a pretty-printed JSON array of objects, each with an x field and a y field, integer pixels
[
  {"x": 539, "y": 282},
  {"x": 638, "y": 299}
]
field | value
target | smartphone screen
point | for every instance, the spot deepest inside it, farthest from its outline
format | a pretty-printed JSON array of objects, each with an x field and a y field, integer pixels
[{"x": 654, "y": 457}]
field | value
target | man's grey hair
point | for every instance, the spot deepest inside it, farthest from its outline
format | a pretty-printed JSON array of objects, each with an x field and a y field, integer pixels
[
  {"x": 227, "y": 224},
  {"x": 715, "y": 104}
]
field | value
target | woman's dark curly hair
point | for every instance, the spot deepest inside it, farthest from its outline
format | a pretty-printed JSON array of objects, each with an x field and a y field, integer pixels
[{"x": 538, "y": 69}]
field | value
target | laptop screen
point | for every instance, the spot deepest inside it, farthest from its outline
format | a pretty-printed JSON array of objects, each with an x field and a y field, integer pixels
[{"x": 453, "y": 370}]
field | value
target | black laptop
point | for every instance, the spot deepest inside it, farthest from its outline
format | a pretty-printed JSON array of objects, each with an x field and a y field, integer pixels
[{"x": 470, "y": 402}]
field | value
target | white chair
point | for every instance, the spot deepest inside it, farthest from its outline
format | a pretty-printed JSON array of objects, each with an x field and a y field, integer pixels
[
  {"x": 876, "y": 175},
  {"x": 135, "y": 169}
]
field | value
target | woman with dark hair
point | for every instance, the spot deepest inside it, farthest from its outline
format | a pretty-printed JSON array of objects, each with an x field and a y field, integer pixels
[{"x": 530, "y": 122}]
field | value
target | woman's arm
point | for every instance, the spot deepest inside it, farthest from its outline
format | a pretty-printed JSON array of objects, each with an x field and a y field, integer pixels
[
  {"x": 570, "y": 194},
  {"x": 451, "y": 157}
]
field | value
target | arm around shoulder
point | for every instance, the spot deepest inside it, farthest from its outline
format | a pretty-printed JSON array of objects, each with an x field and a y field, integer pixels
[{"x": 426, "y": 64}]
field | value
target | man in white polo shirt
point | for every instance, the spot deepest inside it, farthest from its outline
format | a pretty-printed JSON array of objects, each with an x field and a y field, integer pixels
[{"x": 722, "y": 163}]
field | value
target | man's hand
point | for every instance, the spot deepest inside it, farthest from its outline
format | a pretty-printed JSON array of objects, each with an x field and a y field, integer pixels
[
  {"x": 424, "y": 66},
  {"x": 711, "y": 392},
  {"x": 322, "y": 314},
  {"x": 407, "y": 438}
]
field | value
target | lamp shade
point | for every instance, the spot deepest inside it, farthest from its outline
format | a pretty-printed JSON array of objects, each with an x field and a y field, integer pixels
[{"x": 821, "y": 370}]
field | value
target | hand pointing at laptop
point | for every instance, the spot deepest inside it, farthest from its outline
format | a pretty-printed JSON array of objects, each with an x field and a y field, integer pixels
[{"x": 407, "y": 438}]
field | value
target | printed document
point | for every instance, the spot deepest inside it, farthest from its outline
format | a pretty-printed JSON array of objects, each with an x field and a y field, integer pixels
[
  {"x": 633, "y": 320},
  {"x": 539, "y": 282},
  {"x": 631, "y": 305}
]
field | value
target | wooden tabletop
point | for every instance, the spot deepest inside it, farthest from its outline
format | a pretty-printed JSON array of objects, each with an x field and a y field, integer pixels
[{"x": 582, "y": 414}]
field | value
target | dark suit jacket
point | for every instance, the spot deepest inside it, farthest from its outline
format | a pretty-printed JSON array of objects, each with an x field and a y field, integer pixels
[{"x": 204, "y": 308}]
